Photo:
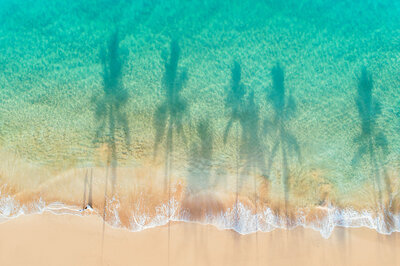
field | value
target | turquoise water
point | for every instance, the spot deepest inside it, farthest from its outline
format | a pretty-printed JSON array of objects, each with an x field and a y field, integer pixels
[{"x": 302, "y": 96}]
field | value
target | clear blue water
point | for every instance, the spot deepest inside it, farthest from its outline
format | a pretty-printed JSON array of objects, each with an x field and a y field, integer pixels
[{"x": 298, "y": 100}]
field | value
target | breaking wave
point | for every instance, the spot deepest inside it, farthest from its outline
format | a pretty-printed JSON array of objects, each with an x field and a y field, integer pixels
[{"x": 241, "y": 219}]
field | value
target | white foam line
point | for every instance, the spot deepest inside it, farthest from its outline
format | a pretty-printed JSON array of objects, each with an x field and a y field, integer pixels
[{"x": 266, "y": 220}]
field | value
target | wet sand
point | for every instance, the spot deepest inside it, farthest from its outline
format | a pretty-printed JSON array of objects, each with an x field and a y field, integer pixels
[{"x": 48, "y": 239}]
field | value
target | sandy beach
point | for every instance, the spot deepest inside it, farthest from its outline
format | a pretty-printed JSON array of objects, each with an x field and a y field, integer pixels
[{"x": 49, "y": 239}]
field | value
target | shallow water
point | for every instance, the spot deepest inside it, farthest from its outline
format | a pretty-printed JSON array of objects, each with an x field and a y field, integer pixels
[{"x": 245, "y": 115}]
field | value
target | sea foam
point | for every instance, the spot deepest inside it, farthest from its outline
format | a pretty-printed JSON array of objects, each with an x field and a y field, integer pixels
[{"x": 240, "y": 219}]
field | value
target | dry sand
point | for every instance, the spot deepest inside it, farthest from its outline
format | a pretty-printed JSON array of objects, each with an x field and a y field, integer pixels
[{"x": 48, "y": 239}]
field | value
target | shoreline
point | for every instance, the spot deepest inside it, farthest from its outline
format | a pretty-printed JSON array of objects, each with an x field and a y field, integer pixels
[
  {"x": 323, "y": 220},
  {"x": 56, "y": 239}
]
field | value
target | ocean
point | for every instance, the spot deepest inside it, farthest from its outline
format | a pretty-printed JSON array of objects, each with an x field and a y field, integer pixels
[{"x": 249, "y": 115}]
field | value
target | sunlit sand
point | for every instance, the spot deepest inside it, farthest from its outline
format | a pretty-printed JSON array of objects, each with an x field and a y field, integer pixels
[{"x": 49, "y": 239}]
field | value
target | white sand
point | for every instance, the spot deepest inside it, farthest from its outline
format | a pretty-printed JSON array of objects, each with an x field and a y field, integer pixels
[{"x": 49, "y": 239}]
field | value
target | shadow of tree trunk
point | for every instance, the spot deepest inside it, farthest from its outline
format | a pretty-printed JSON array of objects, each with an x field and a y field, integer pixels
[
  {"x": 168, "y": 117},
  {"x": 110, "y": 114},
  {"x": 235, "y": 104},
  {"x": 284, "y": 108},
  {"x": 372, "y": 143}
]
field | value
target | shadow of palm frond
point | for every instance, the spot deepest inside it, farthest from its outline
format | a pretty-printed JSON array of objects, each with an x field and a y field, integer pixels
[
  {"x": 372, "y": 143},
  {"x": 235, "y": 103},
  {"x": 110, "y": 113},
  {"x": 284, "y": 108},
  {"x": 168, "y": 117}
]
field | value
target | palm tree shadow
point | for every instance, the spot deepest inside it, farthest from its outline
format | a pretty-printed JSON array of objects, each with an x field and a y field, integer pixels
[
  {"x": 372, "y": 143},
  {"x": 88, "y": 186},
  {"x": 110, "y": 115},
  {"x": 199, "y": 200},
  {"x": 168, "y": 117},
  {"x": 85, "y": 184},
  {"x": 235, "y": 104},
  {"x": 252, "y": 148},
  {"x": 284, "y": 108},
  {"x": 252, "y": 151}
]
